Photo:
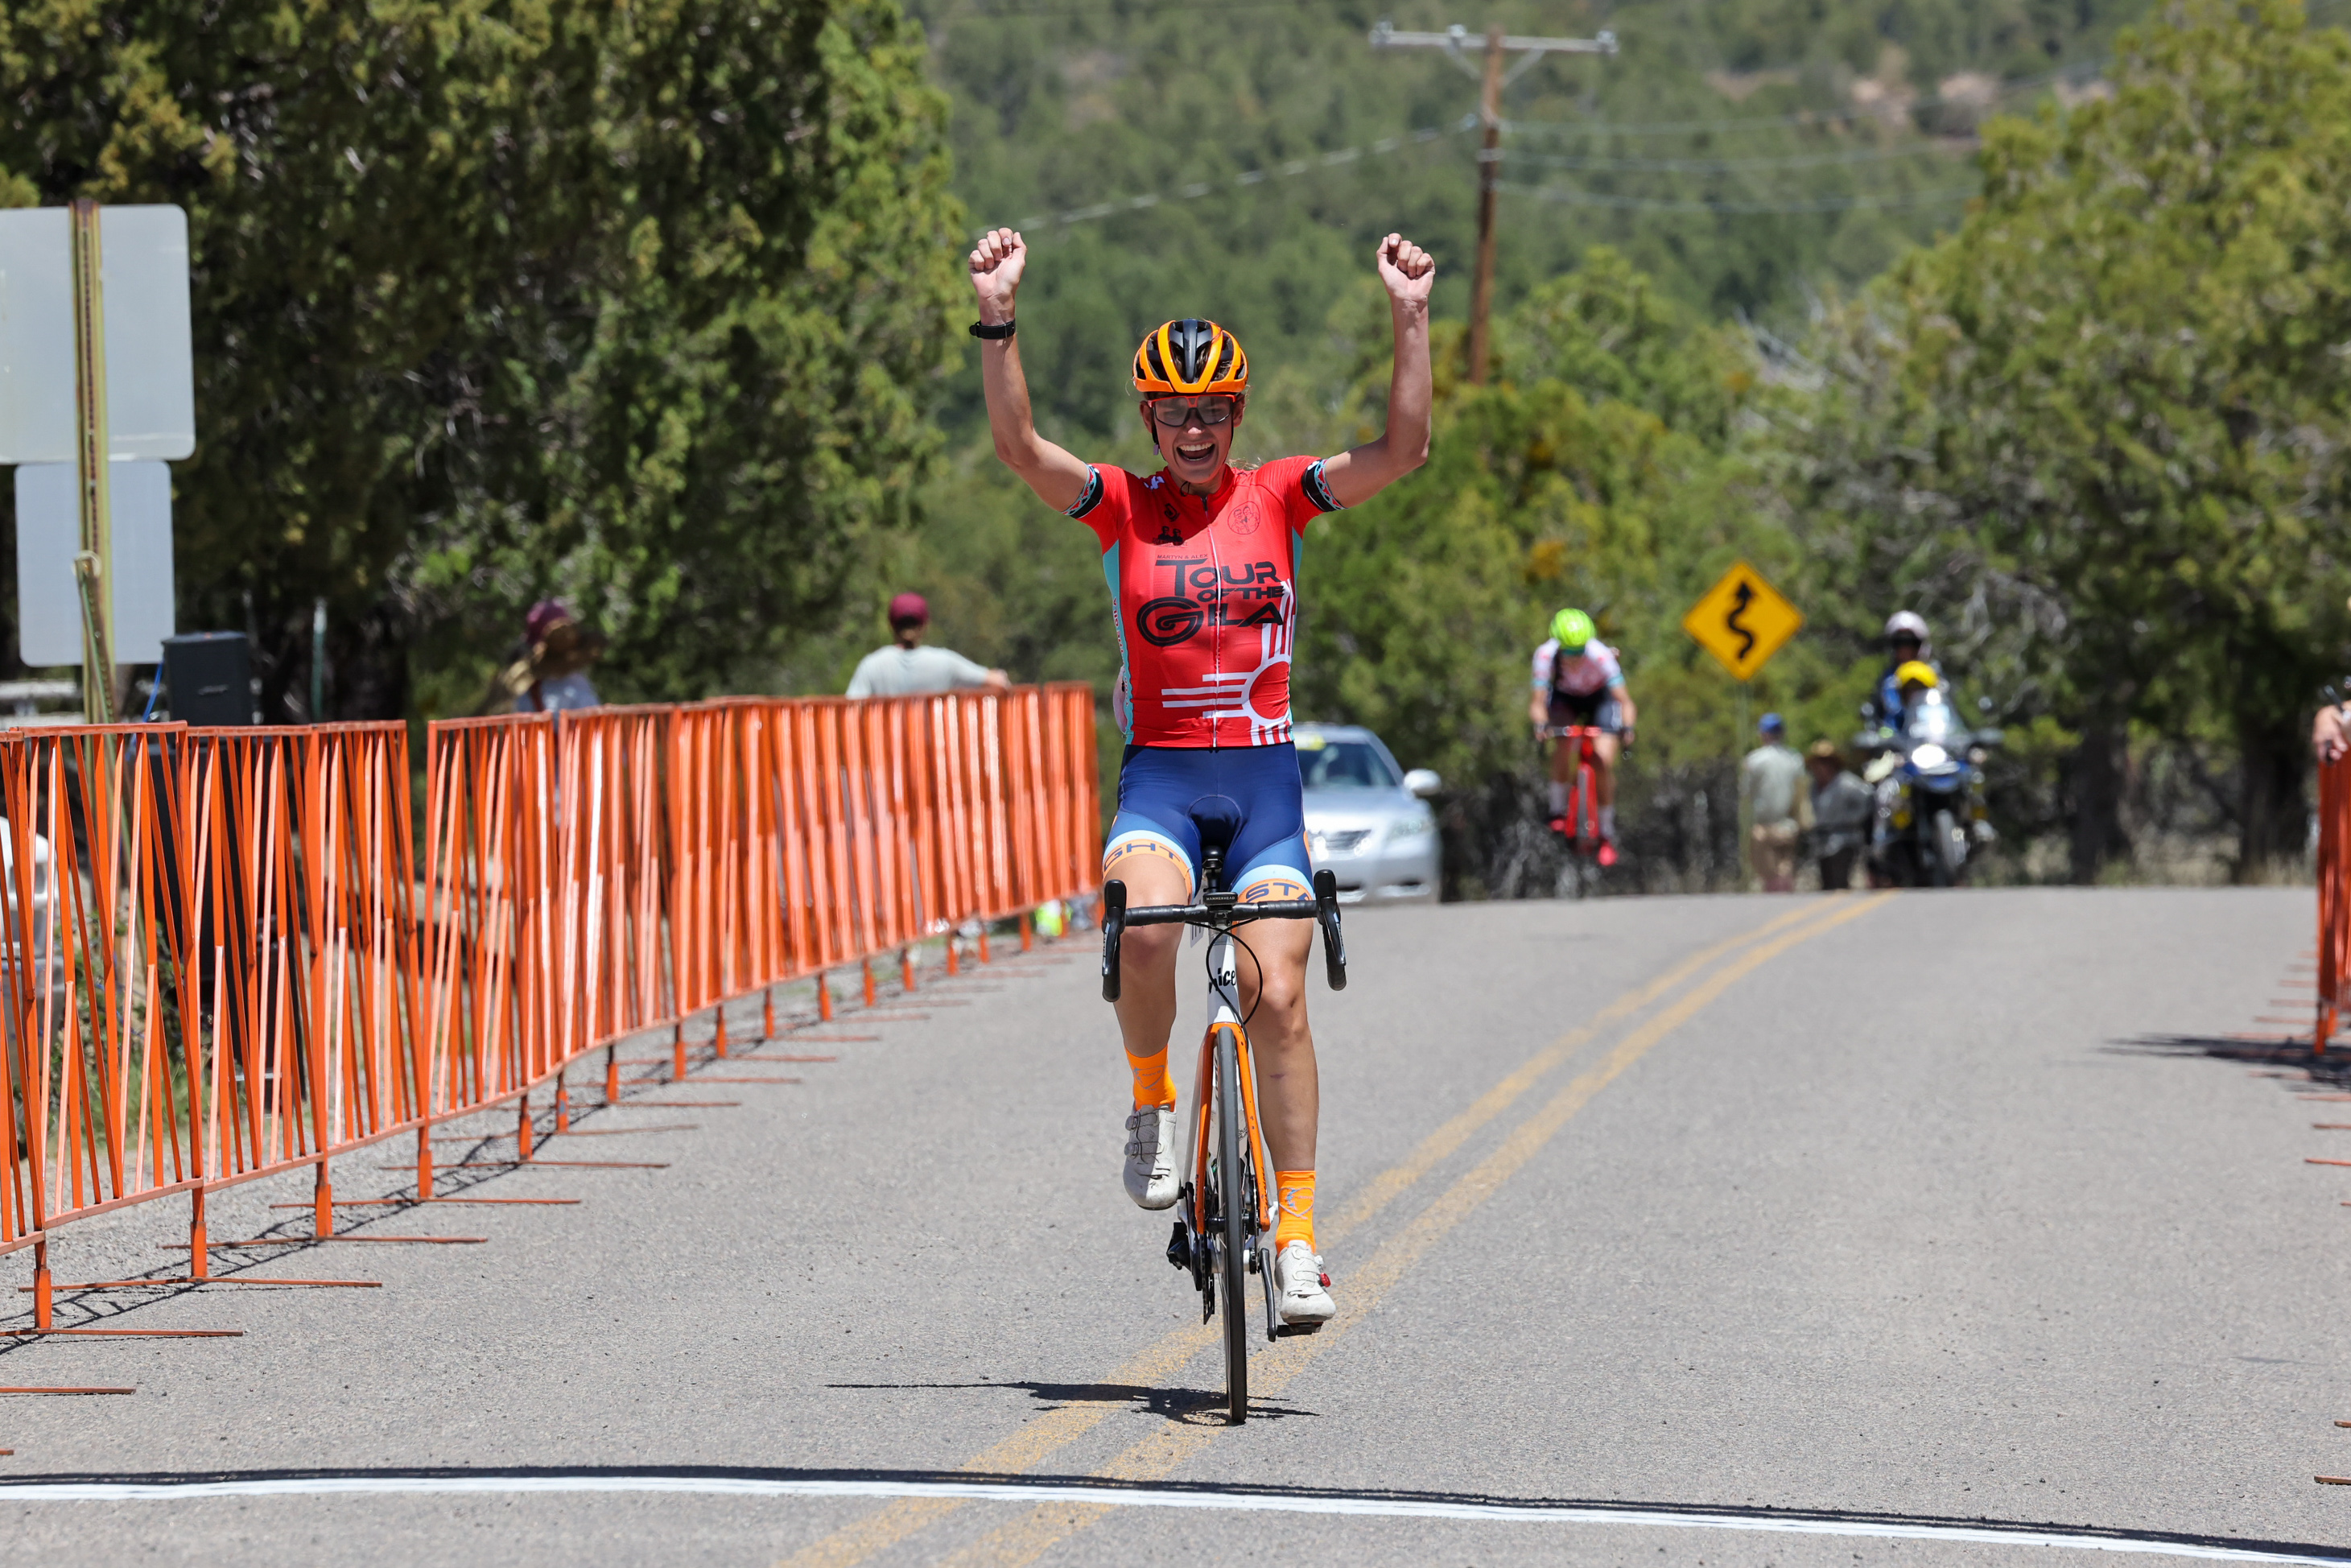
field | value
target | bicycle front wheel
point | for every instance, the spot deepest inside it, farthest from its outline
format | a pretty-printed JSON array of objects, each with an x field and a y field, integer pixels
[{"x": 1232, "y": 1195}]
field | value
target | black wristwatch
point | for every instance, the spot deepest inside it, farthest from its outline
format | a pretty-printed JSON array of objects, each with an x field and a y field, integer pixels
[{"x": 994, "y": 334}]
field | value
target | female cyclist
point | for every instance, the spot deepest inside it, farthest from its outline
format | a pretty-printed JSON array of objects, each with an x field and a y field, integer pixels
[{"x": 1202, "y": 562}]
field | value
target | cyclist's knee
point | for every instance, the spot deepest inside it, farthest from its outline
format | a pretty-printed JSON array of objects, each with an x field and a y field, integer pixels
[
  {"x": 1144, "y": 950},
  {"x": 1277, "y": 992},
  {"x": 1281, "y": 1007}
]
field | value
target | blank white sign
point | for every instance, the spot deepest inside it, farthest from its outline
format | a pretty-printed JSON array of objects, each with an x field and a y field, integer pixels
[
  {"x": 150, "y": 399},
  {"x": 48, "y": 537},
  {"x": 37, "y": 345},
  {"x": 150, "y": 383}
]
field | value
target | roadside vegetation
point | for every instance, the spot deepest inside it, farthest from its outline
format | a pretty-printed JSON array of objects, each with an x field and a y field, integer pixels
[{"x": 2030, "y": 317}]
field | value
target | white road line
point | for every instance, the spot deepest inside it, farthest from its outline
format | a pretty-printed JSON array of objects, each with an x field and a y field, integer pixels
[{"x": 1241, "y": 1501}]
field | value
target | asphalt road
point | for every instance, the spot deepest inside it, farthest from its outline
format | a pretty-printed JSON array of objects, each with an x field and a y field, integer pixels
[{"x": 1733, "y": 1230}]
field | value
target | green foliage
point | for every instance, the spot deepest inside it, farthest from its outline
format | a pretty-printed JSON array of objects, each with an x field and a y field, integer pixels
[
  {"x": 637, "y": 304},
  {"x": 1831, "y": 117},
  {"x": 2100, "y": 432}
]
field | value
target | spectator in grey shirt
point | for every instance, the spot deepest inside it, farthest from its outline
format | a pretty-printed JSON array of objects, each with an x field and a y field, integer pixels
[
  {"x": 907, "y": 669},
  {"x": 1772, "y": 778}
]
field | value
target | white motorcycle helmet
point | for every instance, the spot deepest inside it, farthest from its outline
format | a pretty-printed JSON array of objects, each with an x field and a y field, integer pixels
[{"x": 1907, "y": 621}]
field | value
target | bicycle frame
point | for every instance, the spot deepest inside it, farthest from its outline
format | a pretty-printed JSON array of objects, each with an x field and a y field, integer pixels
[
  {"x": 1225, "y": 1020},
  {"x": 1228, "y": 1201},
  {"x": 1583, "y": 792}
]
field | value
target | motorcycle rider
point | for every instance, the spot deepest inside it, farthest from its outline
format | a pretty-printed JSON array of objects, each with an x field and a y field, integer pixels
[
  {"x": 1911, "y": 682},
  {"x": 1906, "y": 644}
]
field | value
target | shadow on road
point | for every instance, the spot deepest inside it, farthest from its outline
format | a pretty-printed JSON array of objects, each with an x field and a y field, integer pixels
[
  {"x": 1191, "y": 1406},
  {"x": 2292, "y": 1058}
]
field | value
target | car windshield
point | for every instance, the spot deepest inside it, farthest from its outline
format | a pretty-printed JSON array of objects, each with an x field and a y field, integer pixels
[{"x": 1344, "y": 765}]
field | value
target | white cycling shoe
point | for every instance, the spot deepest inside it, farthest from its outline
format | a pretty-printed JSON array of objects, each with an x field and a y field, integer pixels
[
  {"x": 1150, "y": 1157},
  {"x": 1301, "y": 1290}
]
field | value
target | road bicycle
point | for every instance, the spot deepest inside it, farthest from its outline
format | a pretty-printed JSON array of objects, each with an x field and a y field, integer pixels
[
  {"x": 1581, "y": 870},
  {"x": 1225, "y": 1230}
]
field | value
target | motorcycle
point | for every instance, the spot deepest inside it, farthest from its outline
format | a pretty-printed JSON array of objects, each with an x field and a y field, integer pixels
[{"x": 1930, "y": 808}]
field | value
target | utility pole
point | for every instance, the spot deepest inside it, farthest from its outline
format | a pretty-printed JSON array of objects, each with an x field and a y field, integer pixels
[{"x": 1492, "y": 79}]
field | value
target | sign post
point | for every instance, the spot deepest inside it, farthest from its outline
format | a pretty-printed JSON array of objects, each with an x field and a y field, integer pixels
[{"x": 94, "y": 563}]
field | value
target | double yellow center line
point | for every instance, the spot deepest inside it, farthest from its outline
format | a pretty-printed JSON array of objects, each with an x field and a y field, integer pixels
[{"x": 1273, "y": 1368}]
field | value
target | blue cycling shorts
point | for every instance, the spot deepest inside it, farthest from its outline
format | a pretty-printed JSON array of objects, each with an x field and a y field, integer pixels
[{"x": 1170, "y": 799}]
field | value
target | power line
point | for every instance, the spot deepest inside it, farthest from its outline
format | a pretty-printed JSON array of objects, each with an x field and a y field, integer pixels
[
  {"x": 1575, "y": 198},
  {"x": 1096, "y": 13},
  {"x": 1800, "y": 118},
  {"x": 1285, "y": 170},
  {"x": 1730, "y": 165}
]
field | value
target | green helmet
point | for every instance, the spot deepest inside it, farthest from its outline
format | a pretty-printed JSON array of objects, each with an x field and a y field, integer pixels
[{"x": 1573, "y": 629}]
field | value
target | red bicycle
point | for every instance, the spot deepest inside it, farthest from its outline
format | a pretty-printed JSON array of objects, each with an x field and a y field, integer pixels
[{"x": 1580, "y": 823}]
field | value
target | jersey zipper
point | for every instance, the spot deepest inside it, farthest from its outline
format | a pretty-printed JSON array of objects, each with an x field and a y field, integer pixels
[{"x": 1214, "y": 623}]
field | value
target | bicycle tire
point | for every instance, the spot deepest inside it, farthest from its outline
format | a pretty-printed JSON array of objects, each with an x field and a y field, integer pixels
[{"x": 1233, "y": 1194}]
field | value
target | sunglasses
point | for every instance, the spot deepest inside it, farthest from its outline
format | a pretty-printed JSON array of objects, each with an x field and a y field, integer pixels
[{"x": 1177, "y": 412}]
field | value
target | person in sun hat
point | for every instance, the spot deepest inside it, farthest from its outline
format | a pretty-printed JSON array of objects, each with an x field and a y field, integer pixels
[
  {"x": 549, "y": 671},
  {"x": 1842, "y": 808}
]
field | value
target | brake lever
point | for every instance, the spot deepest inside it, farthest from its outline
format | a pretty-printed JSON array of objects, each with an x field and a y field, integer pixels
[
  {"x": 1113, "y": 926},
  {"x": 1326, "y": 916}
]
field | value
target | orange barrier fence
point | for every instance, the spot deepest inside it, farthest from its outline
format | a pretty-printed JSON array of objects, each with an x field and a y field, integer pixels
[
  {"x": 2333, "y": 896},
  {"x": 220, "y": 956}
]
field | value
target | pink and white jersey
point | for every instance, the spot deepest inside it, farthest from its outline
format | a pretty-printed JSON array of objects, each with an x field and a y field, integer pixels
[{"x": 1590, "y": 673}]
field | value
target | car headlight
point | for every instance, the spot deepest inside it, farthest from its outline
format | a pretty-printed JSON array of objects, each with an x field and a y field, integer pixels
[{"x": 1419, "y": 825}]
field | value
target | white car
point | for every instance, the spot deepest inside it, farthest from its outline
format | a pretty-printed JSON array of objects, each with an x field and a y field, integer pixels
[{"x": 1367, "y": 820}]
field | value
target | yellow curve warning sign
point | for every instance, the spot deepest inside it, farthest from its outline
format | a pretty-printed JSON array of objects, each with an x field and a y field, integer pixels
[{"x": 1742, "y": 621}]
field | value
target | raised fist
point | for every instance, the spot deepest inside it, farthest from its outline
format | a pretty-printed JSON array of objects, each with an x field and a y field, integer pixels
[
  {"x": 996, "y": 263},
  {"x": 1407, "y": 271}
]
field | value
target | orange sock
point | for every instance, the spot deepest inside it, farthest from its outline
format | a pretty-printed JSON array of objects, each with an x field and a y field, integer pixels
[
  {"x": 1152, "y": 1084},
  {"x": 1295, "y": 1221}
]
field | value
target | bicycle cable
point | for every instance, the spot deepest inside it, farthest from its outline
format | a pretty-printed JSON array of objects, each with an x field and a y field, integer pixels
[{"x": 1207, "y": 964}]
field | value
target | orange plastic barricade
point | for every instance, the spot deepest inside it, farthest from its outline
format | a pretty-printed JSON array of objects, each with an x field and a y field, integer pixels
[
  {"x": 2333, "y": 897},
  {"x": 219, "y": 959},
  {"x": 210, "y": 965}
]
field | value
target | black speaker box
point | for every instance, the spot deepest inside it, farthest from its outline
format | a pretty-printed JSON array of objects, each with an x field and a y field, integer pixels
[{"x": 209, "y": 677}]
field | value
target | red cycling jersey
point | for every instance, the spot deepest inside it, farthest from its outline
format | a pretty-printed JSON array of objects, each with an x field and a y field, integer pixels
[{"x": 1205, "y": 588}]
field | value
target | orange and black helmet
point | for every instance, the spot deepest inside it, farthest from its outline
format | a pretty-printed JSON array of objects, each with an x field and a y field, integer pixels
[{"x": 1190, "y": 358}]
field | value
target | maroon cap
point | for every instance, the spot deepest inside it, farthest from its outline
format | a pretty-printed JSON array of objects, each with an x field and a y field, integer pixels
[
  {"x": 908, "y": 607},
  {"x": 545, "y": 616}
]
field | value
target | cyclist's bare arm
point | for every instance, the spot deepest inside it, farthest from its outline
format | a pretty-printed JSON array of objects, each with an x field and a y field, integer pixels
[
  {"x": 1539, "y": 709},
  {"x": 1355, "y": 475},
  {"x": 1626, "y": 710},
  {"x": 1057, "y": 477}
]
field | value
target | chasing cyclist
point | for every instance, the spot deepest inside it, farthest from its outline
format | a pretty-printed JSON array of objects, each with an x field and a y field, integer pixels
[
  {"x": 1578, "y": 681},
  {"x": 1202, "y": 560}
]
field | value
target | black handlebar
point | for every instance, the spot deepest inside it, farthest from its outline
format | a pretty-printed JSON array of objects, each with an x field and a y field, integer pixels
[
  {"x": 1334, "y": 947},
  {"x": 1209, "y": 914},
  {"x": 1225, "y": 914}
]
